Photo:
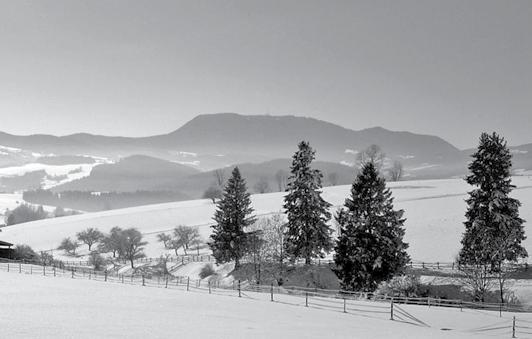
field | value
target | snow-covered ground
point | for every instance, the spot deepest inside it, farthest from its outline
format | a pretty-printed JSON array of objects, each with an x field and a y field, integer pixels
[
  {"x": 434, "y": 210},
  {"x": 72, "y": 172},
  {"x": 60, "y": 307},
  {"x": 9, "y": 201}
]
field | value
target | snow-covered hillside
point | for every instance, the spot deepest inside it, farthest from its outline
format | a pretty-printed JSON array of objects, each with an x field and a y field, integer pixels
[
  {"x": 95, "y": 309},
  {"x": 434, "y": 210}
]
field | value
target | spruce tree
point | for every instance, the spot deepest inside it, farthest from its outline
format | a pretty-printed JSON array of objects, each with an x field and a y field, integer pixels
[
  {"x": 308, "y": 236},
  {"x": 493, "y": 229},
  {"x": 370, "y": 247},
  {"x": 229, "y": 240}
]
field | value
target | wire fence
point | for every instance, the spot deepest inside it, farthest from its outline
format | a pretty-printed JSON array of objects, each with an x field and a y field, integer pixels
[{"x": 357, "y": 303}]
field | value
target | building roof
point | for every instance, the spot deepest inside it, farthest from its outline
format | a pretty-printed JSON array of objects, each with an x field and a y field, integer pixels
[{"x": 4, "y": 243}]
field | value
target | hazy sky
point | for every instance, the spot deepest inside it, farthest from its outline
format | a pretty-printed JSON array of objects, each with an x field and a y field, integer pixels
[{"x": 449, "y": 68}]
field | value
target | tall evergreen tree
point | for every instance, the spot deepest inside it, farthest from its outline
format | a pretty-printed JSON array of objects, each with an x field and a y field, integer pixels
[
  {"x": 308, "y": 235},
  {"x": 370, "y": 247},
  {"x": 229, "y": 240},
  {"x": 493, "y": 229}
]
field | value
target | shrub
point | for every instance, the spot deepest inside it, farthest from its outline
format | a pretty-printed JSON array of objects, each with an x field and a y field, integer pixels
[
  {"x": 97, "y": 261},
  {"x": 206, "y": 271},
  {"x": 401, "y": 286},
  {"x": 24, "y": 252}
]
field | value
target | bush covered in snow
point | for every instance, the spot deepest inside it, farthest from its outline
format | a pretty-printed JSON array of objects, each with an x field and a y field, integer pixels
[
  {"x": 401, "y": 286},
  {"x": 206, "y": 271}
]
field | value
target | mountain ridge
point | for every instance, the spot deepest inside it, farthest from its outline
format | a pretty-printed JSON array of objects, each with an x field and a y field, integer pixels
[{"x": 211, "y": 141}]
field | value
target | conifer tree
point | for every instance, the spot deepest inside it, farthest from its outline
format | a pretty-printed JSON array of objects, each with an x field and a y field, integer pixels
[
  {"x": 229, "y": 240},
  {"x": 493, "y": 229},
  {"x": 370, "y": 247},
  {"x": 308, "y": 235}
]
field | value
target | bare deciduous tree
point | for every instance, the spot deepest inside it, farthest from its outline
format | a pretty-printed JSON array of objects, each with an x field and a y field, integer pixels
[
  {"x": 68, "y": 246},
  {"x": 333, "y": 178},
  {"x": 187, "y": 236},
  {"x": 132, "y": 245},
  {"x": 478, "y": 279},
  {"x": 112, "y": 242},
  {"x": 90, "y": 236},
  {"x": 213, "y": 193},
  {"x": 262, "y": 186},
  {"x": 219, "y": 177},
  {"x": 281, "y": 178},
  {"x": 396, "y": 171},
  {"x": 272, "y": 233},
  {"x": 372, "y": 154},
  {"x": 165, "y": 239}
]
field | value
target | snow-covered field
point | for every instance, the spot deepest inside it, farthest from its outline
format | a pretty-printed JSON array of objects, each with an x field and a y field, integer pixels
[
  {"x": 72, "y": 172},
  {"x": 434, "y": 210},
  {"x": 9, "y": 201},
  {"x": 48, "y": 307}
]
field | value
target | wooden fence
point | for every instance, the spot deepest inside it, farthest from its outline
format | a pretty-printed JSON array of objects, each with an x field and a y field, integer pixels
[{"x": 367, "y": 304}]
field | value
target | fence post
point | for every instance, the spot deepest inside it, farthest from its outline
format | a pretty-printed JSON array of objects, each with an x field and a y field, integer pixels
[
  {"x": 143, "y": 282},
  {"x": 19, "y": 268},
  {"x": 72, "y": 272},
  {"x": 500, "y": 310},
  {"x": 461, "y": 306},
  {"x": 239, "y": 292},
  {"x": 105, "y": 274},
  {"x": 428, "y": 301},
  {"x": 345, "y": 309},
  {"x": 122, "y": 278},
  {"x": 391, "y": 309},
  {"x": 54, "y": 271},
  {"x": 8, "y": 267},
  {"x": 188, "y": 283},
  {"x": 306, "y": 299},
  {"x": 166, "y": 282},
  {"x": 438, "y": 264},
  {"x": 209, "y": 287},
  {"x": 513, "y": 328},
  {"x": 271, "y": 292}
]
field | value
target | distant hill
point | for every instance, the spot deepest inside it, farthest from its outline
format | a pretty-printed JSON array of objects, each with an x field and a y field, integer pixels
[
  {"x": 151, "y": 174},
  {"x": 213, "y": 141},
  {"x": 134, "y": 173},
  {"x": 195, "y": 185}
]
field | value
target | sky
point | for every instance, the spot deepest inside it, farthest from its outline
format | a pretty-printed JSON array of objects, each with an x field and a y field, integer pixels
[{"x": 137, "y": 68}]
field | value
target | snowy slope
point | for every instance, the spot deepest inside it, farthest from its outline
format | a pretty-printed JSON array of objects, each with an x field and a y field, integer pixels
[
  {"x": 71, "y": 172},
  {"x": 77, "y": 308},
  {"x": 434, "y": 210}
]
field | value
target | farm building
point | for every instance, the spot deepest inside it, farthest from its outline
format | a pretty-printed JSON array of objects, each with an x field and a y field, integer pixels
[{"x": 5, "y": 250}]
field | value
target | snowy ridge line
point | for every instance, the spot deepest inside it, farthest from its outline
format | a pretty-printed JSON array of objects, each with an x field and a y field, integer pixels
[{"x": 333, "y": 207}]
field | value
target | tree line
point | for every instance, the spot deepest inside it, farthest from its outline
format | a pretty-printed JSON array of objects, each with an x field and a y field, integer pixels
[
  {"x": 123, "y": 244},
  {"x": 27, "y": 212},
  {"x": 370, "y": 248},
  {"x": 370, "y": 245},
  {"x": 91, "y": 201}
]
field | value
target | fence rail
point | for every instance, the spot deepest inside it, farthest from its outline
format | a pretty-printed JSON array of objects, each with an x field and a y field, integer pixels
[{"x": 368, "y": 304}]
